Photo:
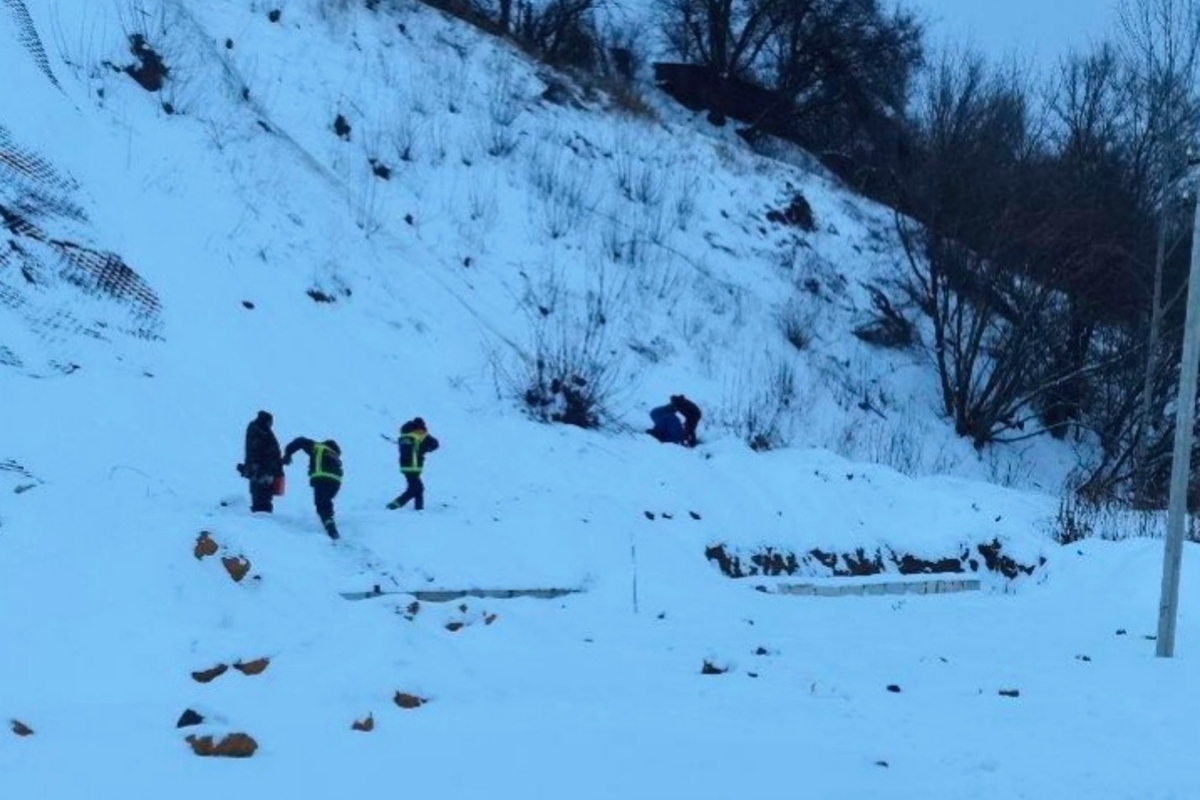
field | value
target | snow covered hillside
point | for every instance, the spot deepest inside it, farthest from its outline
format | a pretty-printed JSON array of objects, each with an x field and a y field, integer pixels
[{"x": 351, "y": 217}]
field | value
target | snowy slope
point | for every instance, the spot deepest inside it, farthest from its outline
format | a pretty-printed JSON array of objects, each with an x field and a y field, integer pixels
[{"x": 242, "y": 203}]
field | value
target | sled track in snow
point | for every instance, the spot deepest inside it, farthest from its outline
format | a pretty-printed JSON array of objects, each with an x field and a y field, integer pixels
[{"x": 27, "y": 35}]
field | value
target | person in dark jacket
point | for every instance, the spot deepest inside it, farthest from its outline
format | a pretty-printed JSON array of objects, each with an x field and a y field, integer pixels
[
  {"x": 691, "y": 418},
  {"x": 415, "y": 443},
  {"x": 324, "y": 475},
  {"x": 667, "y": 427},
  {"x": 262, "y": 463}
]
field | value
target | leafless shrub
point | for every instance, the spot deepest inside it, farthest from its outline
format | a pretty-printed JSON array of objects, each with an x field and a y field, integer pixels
[
  {"x": 761, "y": 409},
  {"x": 685, "y": 199},
  {"x": 888, "y": 327},
  {"x": 572, "y": 374},
  {"x": 797, "y": 320},
  {"x": 404, "y": 136},
  {"x": 562, "y": 198},
  {"x": 638, "y": 180}
]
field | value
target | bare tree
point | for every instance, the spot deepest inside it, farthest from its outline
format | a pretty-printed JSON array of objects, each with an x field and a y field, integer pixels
[
  {"x": 1161, "y": 47},
  {"x": 561, "y": 31},
  {"x": 826, "y": 53},
  {"x": 726, "y": 36},
  {"x": 1089, "y": 246},
  {"x": 997, "y": 327}
]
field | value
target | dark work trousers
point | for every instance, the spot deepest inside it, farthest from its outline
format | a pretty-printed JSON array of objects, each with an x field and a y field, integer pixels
[
  {"x": 415, "y": 491},
  {"x": 324, "y": 490},
  {"x": 262, "y": 493}
]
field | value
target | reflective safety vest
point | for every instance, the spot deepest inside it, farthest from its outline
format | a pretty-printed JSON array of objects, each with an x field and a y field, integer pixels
[
  {"x": 326, "y": 462},
  {"x": 410, "y": 446}
]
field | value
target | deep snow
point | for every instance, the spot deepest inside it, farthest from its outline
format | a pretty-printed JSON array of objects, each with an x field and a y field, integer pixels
[{"x": 117, "y": 464}]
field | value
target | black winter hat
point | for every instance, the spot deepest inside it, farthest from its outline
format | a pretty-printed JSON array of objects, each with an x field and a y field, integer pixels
[
  {"x": 419, "y": 424},
  {"x": 265, "y": 418},
  {"x": 332, "y": 445}
]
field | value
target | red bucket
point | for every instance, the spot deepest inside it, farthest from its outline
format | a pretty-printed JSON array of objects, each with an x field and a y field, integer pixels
[{"x": 279, "y": 485}]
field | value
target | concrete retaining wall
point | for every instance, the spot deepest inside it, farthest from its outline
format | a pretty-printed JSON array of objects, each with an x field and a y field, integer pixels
[{"x": 851, "y": 587}]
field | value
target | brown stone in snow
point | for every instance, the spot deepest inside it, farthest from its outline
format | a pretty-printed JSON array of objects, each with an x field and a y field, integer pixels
[
  {"x": 488, "y": 619},
  {"x": 365, "y": 725},
  {"x": 206, "y": 675},
  {"x": 236, "y": 566},
  {"x": 454, "y": 627},
  {"x": 235, "y": 745},
  {"x": 252, "y": 667},
  {"x": 201, "y": 745},
  {"x": 205, "y": 546},
  {"x": 21, "y": 729},
  {"x": 406, "y": 700}
]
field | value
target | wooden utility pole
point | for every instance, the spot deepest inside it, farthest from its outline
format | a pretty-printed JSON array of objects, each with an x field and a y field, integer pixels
[{"x": 1181, "y": 459}]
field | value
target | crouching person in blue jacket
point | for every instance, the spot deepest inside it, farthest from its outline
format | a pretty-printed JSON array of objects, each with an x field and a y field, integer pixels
[{"x": 668, "y": 429}]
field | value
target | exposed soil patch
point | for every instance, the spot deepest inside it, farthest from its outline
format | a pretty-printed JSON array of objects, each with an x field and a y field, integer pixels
[{"x": 772, "y": 562}]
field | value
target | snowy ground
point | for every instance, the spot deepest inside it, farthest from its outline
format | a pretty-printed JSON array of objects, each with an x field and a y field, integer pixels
[{"x": 234, "y": 209}]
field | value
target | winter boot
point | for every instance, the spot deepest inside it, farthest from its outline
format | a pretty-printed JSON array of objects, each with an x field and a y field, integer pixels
[{"x": 331, "y": 528}]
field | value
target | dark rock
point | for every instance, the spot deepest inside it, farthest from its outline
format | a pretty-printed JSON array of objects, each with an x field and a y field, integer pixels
[
  {"x": 798, "y": 214},
  {"x": 235, "y": 745},
  {"x": 255, "y": 667},
  {"x": 729, "y": 565},
  {"x": 189, "y": 718},
  {"x": 1010, "y": 692},
  {"x": 380, "y": 169},
  {"x": 891, "y": 687},
  {"x": 150, "y": 72},
  {"x": 997, "y": 561},
  {"x": 274, "y": 15},
  {"x": 911, "y": 565},
  {"x": 341, "y": 127},
  {"x": 710, "y": 668},
  {"x": 208, "y": 675},
  {"x": 409, "y": 701}
]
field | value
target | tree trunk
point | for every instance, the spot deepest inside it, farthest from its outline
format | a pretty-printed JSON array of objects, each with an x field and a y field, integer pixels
[{"x": 1142, "y": 430}]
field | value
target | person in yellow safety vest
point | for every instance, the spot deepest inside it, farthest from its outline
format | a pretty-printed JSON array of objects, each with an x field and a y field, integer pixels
[
  {"x": 324, "y": 475},
  {"x": 414, "y": 442}
]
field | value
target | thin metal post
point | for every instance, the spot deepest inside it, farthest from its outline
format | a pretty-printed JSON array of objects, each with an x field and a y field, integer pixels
[
  {"x": 1181, "y": 459},
  {"x": 633, "y": 562}
]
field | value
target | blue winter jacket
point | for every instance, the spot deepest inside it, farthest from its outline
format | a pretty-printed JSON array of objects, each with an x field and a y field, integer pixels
[{"x": 667, "y": 427}]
